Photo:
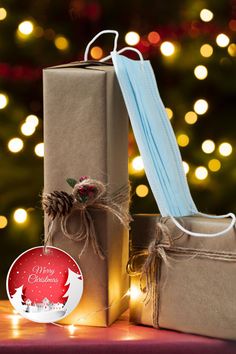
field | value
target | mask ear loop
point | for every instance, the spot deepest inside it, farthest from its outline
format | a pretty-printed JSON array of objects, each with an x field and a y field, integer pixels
[
  {"x": 123, "y": 50},
  {"x": 116, "y": 33},
  {"x": 198, "y": 234}
]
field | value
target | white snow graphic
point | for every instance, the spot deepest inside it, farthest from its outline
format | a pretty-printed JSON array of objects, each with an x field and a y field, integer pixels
[
  {"x": 17, "y": 300},
  {"x": 74, "y": 291}
]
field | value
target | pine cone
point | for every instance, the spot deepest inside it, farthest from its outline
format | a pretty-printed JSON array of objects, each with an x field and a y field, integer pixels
[{"x": 57, "y": 204}]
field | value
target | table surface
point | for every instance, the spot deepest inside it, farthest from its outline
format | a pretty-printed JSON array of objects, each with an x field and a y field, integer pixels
[{"x": 18, "y": 334}]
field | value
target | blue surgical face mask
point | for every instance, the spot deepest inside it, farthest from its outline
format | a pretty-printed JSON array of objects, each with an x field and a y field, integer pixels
[{"x": 154, "y": 136}]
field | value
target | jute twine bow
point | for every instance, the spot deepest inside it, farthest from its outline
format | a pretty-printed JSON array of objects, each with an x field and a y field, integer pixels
[{"x": 87, "y": 195}]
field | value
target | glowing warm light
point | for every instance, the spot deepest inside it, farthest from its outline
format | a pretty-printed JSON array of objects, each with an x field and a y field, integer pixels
[
  {"x": 20, "y": 215},
  {"x": 183, "y": 140},
  {"x": 206, "y": 50},
  {"x": 15, "y": 320},
  {"x": 15, "y": 145},
  {"x": 167, "y": 48},
  {"x": 154, "y": 37},
  {"x": 3, "y": 100},
  {"x": 200, "y": 106},
  {"x": 32, "y": 120},
  {"x": 96, "y": 53},
  {"x": 232, "y": 49},
  {"x": 39, "y": 149},
  {"x": 134, "y": 292},
  {"x": 128, "y": 292},
  {"x": 222, "y": 40},
  {"x": 71, "y": 329},
  {"x": 214, "y": 165},
  {"x": 3, "y": 13},
  {"x": 137, "y": 163},
  {"x": 190, "y": 117},
  {"x": 27, "y": 129},
  {"x": 132, "y": 38},
  {"x": 142, "y": 191},
  {"x": 61, "y": 43},
  {"x": 225, "y": 149},
  {"x": 201, "y": 172},
  {"x": 26, "y": 27},
  {"x": 169, "y": 112},
  {"x": 3, "y": 222},
  {"x": 206, "y": 15},
  {"x": 186, "y": 167},
  {"x": 208, "y": 146},
  {"x": 200, "y": 72}
]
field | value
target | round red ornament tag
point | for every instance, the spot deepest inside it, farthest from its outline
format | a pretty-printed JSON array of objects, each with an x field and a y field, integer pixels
[{"x": 44, "y": 286}]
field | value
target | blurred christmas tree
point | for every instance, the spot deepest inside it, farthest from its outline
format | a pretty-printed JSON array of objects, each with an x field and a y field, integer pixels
[{"x": 191, "y": 46}]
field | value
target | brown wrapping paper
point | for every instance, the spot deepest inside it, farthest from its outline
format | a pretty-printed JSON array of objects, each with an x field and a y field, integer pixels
[
  {"x": 197, "y": 286},
  {"x": 86, "y": 134}
]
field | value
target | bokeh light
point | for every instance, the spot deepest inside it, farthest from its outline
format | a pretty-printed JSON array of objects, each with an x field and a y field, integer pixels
[
  {"x": 232, "y": 49},
  {"x": 3, "y": 100},
  {"x": 3, "y": 222},
  {"x": 206, "y": 15},
  {"x": 183, "y": 140},
  {"x": 167, "y": 48},
  {"x": 154, "y": 37},
  {"x": 200, "y": 72},
  {"x": 20, "y": 215},
  {"x": 96, "y": 53},
  {"x": 39, "y": 149},
  {"x": 190, "y": 117},
  {"x": 137, "y": 163},
  {"x": 201, "y": 173},
  {"x": 3, "y": 13},
  {"x": 27, "y": 129},
  {"x": 169, "y": 112},
  {"x": 214, "y": 165},
  {"x": 32, "y": 120},
  {"x": 132, "y": 38},
  {"x": 206, "y": 50},
  {"x": 61, "y": 43},
  {"x": 222, "y": 40},
  {"x": 200, "y": 106},
  {"x": 208, "y": 146},
  {"x": 15, "y": 145},
  {"x": 186, "y": 167},
  {"x": 26, "y": 28},
  {"x": 225, "y": 149},
  {"x": 142, "y": 190}
]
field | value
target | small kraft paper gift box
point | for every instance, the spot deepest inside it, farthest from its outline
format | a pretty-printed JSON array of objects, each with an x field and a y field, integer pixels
[
  {"x": 86, "y": 134},
  {"x": 181, "y": 282}
]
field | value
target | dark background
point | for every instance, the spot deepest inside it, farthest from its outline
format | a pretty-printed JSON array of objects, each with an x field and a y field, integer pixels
[{"x": 21, "y": 63}]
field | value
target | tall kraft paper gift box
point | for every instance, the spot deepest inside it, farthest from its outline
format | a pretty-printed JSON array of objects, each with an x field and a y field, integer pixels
[{"x": 86, "y": 134}]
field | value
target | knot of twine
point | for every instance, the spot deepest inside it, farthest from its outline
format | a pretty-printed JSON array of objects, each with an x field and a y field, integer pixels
[{"x": 87, "y": 195}]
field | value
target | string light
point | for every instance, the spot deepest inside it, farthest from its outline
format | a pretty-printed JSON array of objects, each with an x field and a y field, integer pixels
[
  {"x": 134, "y": 292},
  {"x": 71, "y": 329},
  {"x": 206, "y": 15},
  {"x": 214, "y": 165},
  {"x": 137, "y": 163},
  {"x": 208, "y": 146},
  {"x": 3, "y": 13},
  {"x": 190, "y": 117},
  {"x": 96, "y": 53},
  {"x": 183, "y": 140},
  {"x": 15, "y": 145},
  {"x": 3, "y": 100},
  {"x": 142, "y": 191},
  {"x": 169, "y": 113},
  {"x": 200, "y": 106},
  {"x": 222, "y": 40},
  {"x": 3, "y": 222},
  {"x": 167, "y": 48},
  {"x": 201, "y": 173},
  {"x": 39, "y": 149},
  {"x": 232, "y": 49},
  {"x": 186, "y": 167},
  {"x": 154, "y": 37},
  {"x": 61, "y": 43},
  {"x": 25, "y": 28},
  {"x": 132, "y": 38},
  {"x": 200, "y": 72},
  {"x": 20, "y": 215},
  {"x": 225, "y": 149},
  {"x": 32, "y": 120},
  {"x": 27, "y": 129},
  {"x": 206, "y": 50}
]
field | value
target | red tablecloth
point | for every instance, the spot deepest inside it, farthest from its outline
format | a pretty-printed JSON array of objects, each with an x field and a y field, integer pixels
[{"x": 18, "y": 335}]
